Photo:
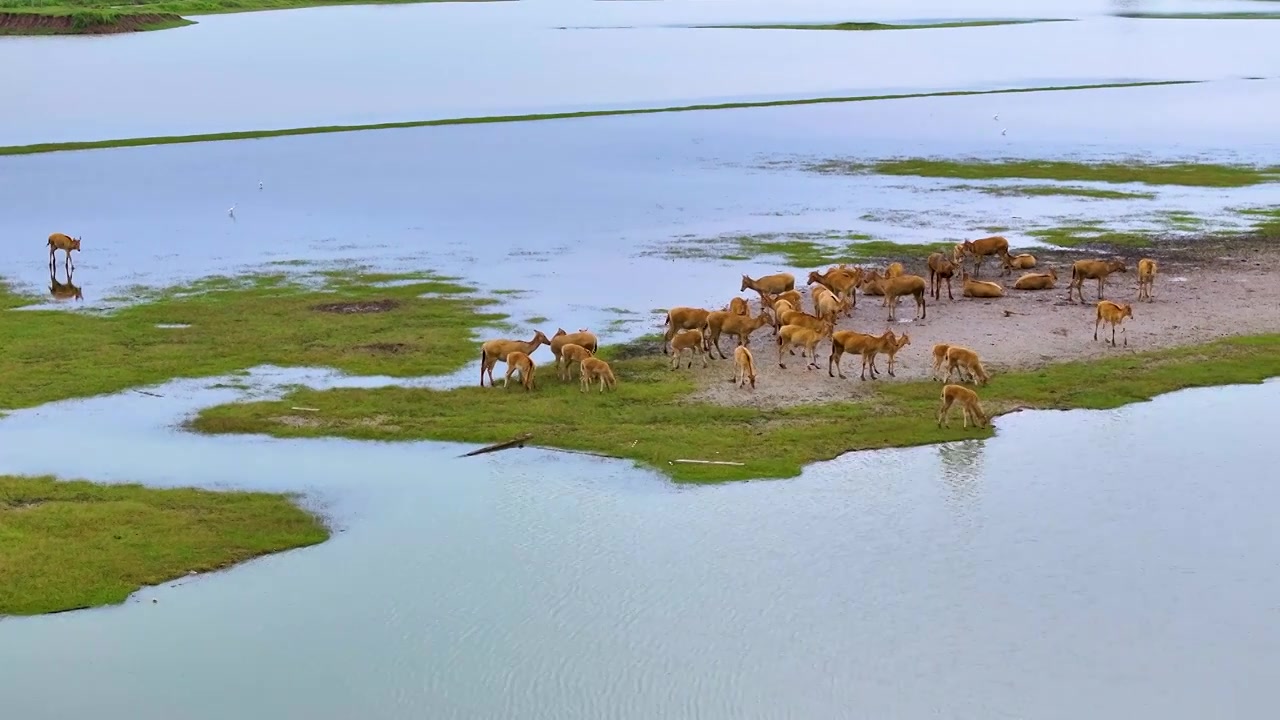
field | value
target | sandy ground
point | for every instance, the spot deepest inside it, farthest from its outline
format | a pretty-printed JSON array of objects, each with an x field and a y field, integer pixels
[{"x": 1203, "y": 290}]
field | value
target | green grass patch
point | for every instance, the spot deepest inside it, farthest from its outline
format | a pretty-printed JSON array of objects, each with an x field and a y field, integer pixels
[
  {"x": 258, "y": 134},
  {"x": 1067, "y": 190},
  {"x": 1182, "y": 221},
  {"x": 1266, "y": 219},
  {"x": 873, "y": 26},
  {"x": 1243, "y": 15},
  {"x": 72, "y": 545},
  {"x": 1090, "y": 235},
  {"x": 71, "y": 17},
  {"x": 805, "y": 250},
  {"x": 1188, "y": 174},
  {"x": 347, "y": 320},
  {"x": 650, "y": 419}
]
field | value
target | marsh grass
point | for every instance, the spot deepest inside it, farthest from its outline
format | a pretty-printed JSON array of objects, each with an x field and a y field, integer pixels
[
  {"x": 258, "y": 134},
  {"x": 650, "y": 418},
  {"x": 806, "y": 250},
  {"x": 71, "y": 545},
  {"x": 237, "y": 323},
  {"x": 1266, "y": 219},
  {"x": 1187, "y": 174},
  {"x": 1064, "y": 190}
]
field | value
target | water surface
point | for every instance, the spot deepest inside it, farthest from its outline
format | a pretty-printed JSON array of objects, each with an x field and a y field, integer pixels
[
  {"x": 295, "y": 68},
  {"x": 1015, "y": 577}
]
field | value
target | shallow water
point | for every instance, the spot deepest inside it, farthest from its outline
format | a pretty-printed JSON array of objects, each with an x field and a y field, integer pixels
[
  {"x": 267, "y": 70},
  {"x": 556, "y": 208},
  {"x": 971, "y": 579}
]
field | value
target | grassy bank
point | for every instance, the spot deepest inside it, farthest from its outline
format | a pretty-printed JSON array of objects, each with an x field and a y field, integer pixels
[
  {"x": 259, "y": 134},
  {"x": 650, "y": 419},
  {"x": 348, "y": 321},
  {"x": 873, "y": 26},
  {"x": 1187, "y": 174},
  {"x": 93, "y": 17},
  {"x": 72, "y": 545}
]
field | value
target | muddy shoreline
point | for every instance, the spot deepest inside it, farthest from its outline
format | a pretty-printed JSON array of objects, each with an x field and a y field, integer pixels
[
  {"x": 1206, "y": 288},
  {"x": 18, "y": 23}
]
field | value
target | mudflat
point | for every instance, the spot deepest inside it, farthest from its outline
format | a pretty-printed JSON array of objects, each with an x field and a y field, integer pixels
[{"x": 1205, "y": 289}]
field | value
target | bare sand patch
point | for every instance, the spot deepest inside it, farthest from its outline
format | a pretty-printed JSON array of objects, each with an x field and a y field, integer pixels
[{"x": 1204, "y": 290}]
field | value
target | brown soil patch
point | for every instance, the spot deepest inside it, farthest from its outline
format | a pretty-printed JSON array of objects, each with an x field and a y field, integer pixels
[
  {"x": 386, "y": 348},
  {"x": 1204, "y": 290},
  {"x": 367, "y": 306},
  {"x": 12, "y": 23}
]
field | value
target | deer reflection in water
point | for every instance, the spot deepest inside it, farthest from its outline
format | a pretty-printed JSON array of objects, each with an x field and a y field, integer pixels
[{"x": 63, "y": 290}]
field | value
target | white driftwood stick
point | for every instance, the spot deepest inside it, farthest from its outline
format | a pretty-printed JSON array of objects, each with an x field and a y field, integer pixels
[{"x": 306, "y": 409}]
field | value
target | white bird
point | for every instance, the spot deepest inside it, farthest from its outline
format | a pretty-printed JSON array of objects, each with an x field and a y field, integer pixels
[
  {"x": 231, "y": 211},
  {"x": 259, "y": 184},
  {"x": 1005, "y": 131},
  {"x": 996, "y": 116}
]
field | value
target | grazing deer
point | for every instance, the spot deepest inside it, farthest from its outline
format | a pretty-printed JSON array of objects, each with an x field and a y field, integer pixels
[{"x": 968, "y": 399}]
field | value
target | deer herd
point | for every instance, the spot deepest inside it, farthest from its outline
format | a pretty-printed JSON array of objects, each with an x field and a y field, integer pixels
[{"x": 698, "y": 332}]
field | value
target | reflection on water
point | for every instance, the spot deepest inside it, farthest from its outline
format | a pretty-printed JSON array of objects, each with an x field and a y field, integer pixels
[
  {"x": 64, "y": 290},
  {"x": 962, "y": 467},
  {"x": 544, "y": 585}
]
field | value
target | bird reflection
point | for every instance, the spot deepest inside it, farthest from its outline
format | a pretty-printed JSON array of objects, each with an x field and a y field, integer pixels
[{"x": 64, "y": 290}]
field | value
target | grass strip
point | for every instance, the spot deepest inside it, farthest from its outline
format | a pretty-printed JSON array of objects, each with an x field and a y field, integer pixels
[
  {"x": 74, "y": 545},
  {"x": 875, "y": 26},
  {"x": 650, "y": 418},
  {"x": 285, "y": 132},
  {"x": 1244, "y": 15},
  {"x": 1136, "y": 171}
]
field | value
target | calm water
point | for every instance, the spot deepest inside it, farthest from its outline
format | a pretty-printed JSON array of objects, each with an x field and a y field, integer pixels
[
  {"x": 1012, "y": 578},
  {"x": 294, "y": 68},
  {"x": 561, "y": 202}
]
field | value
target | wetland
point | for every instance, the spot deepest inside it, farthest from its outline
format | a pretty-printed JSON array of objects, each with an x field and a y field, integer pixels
[{"x": 230, "y": 441}]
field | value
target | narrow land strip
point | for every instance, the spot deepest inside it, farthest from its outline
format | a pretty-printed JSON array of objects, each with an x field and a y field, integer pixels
[
  {"x": 875, "y": 26},
  {"x": 88, "y": 17},
  {"x": 284, "y": 132}
]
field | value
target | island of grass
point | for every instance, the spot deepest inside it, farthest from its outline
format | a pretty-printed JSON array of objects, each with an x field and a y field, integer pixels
[
  {"x": 651, "y": 418},
  {"x": 401, "y": 325},
  {"x": 74, "y": 545},
  {"x": 94, "y": 17},
  {"x": 873, "y": 26}
]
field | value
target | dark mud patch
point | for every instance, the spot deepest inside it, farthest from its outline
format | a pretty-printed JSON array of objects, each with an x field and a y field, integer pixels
[
  {"x": 385, "y": 348},
  {"x": 365, "y": 306}
]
